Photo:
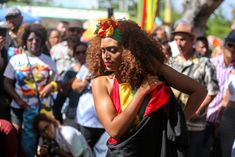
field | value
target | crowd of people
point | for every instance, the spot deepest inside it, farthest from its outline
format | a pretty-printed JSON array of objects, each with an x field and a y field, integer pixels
[{"x": 124, "y": 93}]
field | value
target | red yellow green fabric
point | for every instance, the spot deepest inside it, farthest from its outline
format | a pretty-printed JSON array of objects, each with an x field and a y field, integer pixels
[{"x": 122, "y": 94}]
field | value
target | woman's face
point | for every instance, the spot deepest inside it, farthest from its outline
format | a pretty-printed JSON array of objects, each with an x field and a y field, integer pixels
[
  {"x": 53, "y": 37},
  {"x": 111, "y": 53},
  {"x": 33, "y": 44},
  {"x": 46, "y": 130},
  {"x": 80, "y": 53},
  {"x": 229, "y": 50}
]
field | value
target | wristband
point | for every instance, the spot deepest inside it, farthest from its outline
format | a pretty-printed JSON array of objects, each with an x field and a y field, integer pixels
[{"x": 55, "y": 86}]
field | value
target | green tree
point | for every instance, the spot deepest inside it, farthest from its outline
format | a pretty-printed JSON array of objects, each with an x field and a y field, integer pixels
[{"x": 218, "y": 25}]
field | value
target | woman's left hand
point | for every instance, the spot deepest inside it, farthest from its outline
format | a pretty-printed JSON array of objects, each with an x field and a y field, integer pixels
[{"x": 46, "y": 91}]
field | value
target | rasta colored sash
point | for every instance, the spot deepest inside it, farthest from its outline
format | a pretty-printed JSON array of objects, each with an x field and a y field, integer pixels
[
  {"x": 122, "y": 94},
  {"x": 159, "y": 130}
]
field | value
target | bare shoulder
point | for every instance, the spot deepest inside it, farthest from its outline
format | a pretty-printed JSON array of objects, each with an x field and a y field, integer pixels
[
  {"x": 98, "y": 80},
  {"x": 102, "y": 82}
]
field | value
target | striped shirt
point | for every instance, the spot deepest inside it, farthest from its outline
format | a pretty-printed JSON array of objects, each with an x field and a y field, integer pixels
[{"x": 222, "y": 72}]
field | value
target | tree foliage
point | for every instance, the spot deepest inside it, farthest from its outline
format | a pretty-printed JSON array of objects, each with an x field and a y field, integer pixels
[
  {"x": 197, "y": 12},
  {"x": 218, "y": 25}
]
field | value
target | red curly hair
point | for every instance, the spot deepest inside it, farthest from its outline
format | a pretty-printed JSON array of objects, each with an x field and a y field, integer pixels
[{"x": 139, "y": 49}]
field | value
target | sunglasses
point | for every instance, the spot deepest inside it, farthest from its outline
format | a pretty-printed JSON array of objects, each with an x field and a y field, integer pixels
[
  {"x": 230, "y": 45},
  {"x": 42, "y": 131},
  {"x": 112, "y": 49},
  {"x": 31, "y": 39}
]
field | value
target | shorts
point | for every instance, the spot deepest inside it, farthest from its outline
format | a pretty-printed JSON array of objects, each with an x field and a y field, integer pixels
[{"x": 17, "y": 115}]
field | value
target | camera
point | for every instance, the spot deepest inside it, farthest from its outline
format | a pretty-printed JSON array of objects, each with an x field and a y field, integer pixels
[
  {"x": 3, "y": 31},
  {"x": 52, "y": 147}
]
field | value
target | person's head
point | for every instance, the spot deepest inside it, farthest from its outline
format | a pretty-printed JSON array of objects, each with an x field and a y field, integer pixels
[
  {"x": 202, "y": 46},
  {"x": 62, "y": 27},
  {"x": 32, "y": 37},
  {"x": 159, "y": 33},
  {"x": 184, "y": 37},
  {"x": 14, "y": 19},
  {"x": 80, "y": 52},
  {"x": 166, "y": 49},
  {"x": 123, "y": 48},
  {"x": 75, "y": 31},
  {"x": 45, "y": 126},
  {"x": 229, "y": 46},
  {"x": 53, "y": 37}
]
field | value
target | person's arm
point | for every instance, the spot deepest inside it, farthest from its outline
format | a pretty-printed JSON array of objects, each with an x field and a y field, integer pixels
[
  {"x": 1, "y": 61},
  {"x": 82, "y": 80},
  {"x": 185, "y": 84},
  {"x": 204, "y": 105},
  {"x": 224, "y": 104},
  {"x": 2, "y": 43},
  {"x": 42, "y": 151},
  {"x": 79, "y": 85},
  {"x": 225, "y": 99},
  {"x": 53, "y": 86},
  {"x": 211, "y": 84},
  {"x": 116, "y": 124},
  {"x": 10, "y": 89}
]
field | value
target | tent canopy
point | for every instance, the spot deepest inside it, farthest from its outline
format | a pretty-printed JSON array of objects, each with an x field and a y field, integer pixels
[{"x": 27, "y": 17}]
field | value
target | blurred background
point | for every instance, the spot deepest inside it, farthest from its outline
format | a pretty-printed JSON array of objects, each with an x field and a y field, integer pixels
[{"x": 210, "y": 17}]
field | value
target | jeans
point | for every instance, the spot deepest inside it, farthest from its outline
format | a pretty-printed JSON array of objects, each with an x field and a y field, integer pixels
[
  {"x": 29, "y": 140},
  {"x": 96, "y": 139}
]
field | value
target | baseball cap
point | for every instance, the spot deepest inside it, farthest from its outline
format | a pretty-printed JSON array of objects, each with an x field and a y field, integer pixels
[{"x": 12, "y": 12}]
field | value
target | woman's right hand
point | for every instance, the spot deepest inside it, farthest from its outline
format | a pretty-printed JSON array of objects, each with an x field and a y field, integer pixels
[
  {"x": 22, "y": 103},
  {"x": 42, "y": 150}
]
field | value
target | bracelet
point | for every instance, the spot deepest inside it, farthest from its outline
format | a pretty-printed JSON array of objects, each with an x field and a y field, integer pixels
[{"x": 55, "y": 86}]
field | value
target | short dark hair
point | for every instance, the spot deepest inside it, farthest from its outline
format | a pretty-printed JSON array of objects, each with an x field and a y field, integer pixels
[{"x": 202, "y": 39}]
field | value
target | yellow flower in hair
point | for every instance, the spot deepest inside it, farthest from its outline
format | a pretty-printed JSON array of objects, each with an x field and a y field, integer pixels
[{"x": 109, "y": 32}]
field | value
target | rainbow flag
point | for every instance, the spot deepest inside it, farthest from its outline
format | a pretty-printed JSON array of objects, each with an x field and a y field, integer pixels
[
  {"x": 147, "y": 10},
  {"x": 167, "y": 12}
]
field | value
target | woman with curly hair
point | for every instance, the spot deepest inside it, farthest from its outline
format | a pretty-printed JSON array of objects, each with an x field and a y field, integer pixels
[
  {"x": 29, "y": 81},
  {"x": 131, "y": 92}
]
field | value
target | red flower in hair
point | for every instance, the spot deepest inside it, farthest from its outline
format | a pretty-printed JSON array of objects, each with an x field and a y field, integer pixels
[{"x": 108, "y": 28}]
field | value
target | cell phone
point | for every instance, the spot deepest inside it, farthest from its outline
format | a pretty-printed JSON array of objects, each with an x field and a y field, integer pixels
[{"x": 3, "y": 31}]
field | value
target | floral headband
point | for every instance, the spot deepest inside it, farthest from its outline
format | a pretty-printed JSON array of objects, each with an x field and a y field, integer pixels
[{"x": 108, "y": 28}]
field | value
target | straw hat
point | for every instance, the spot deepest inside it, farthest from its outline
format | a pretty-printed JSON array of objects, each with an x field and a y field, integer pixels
[{"x": 184, "y": 28}]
